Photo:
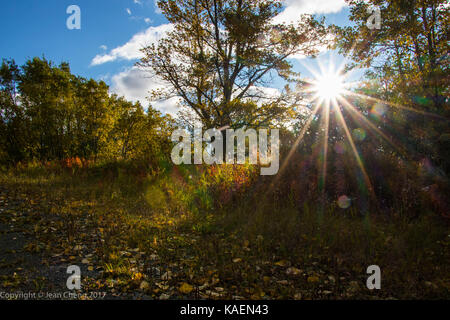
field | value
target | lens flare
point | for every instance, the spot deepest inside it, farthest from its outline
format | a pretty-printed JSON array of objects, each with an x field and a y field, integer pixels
[
  {"x": 344, "y": 202},
  {"x": 329, "y": 91},
  {"x": 329, "y": 86}
]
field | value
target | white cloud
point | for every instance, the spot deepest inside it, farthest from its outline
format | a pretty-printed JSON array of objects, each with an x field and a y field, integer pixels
[
  {"x": 103, "y": 47},
  {"x": 148, "y": 20},
  {"x": 261, "y": 95},
  {"x": 133, "y": 83},
  {"x": 137, "y": 2},
  {"x": 136, "y": 85},
  {"x": 157, "y": 9},
  {"x": 293, "y": 8},
  {"x": 131, "y": 49}
]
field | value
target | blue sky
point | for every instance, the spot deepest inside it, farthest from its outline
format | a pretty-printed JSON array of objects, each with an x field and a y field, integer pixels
[{"x": 106, "y": 47}]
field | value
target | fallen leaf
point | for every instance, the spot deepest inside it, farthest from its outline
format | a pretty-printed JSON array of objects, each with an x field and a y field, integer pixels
[
  {"x": 293, "y": 271},
  {"x": 185, "y": 288},
  {"x": 164, "y": 296},
  {"x": 144, "y": 285},
  {"x": 283, "y": 263},
  {"x": 166, "y": 276}
]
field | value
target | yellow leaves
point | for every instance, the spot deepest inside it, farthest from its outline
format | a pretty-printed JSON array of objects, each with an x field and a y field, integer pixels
[
  {"x": 144, "y": 285},
  {"x": 283, "y": 263},
  {"x": 257, "y": 296},
  {"x": 32, "y": 247},
  {"x": 154, "y": 257},
  {"x": 293, "y": 271},
  {"x": 113, "y": 256},
  {"x": 185, "y": 288},
  {"x": 137, "y": 276},
  {"x": 91, "y": 268},
  {"x": 313, "y": 279},
  {"x": 162, "y": 286},
  {"x": 353, "y": 286},
  {"x": 237, "y": 260}
]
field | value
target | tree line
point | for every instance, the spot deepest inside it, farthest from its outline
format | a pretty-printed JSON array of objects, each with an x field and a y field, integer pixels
[
  {"x": 220, "y": 60},
  {"x": 47, "y": 113}
]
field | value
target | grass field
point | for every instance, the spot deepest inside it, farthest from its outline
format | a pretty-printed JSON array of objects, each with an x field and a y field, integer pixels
[{"x": 176, "y": 235}]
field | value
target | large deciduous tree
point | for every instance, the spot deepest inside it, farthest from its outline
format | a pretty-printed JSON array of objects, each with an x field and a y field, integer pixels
[{"x": 222, "y": 54}]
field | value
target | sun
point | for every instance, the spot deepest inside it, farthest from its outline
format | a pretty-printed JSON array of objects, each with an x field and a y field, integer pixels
[{"x": 329, "y": 86}]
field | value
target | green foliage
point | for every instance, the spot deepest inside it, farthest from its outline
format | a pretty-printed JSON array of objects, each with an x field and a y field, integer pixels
[
  {"x": 408, "y": 54},
  {"x": 407, "y": 68},
  {"x": 49, "y": 114},
  {"x": 221, "y": 52},
  {"x": 87, "y": 175}
]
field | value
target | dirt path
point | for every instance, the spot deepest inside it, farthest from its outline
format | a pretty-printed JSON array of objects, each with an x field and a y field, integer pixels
[
  {"x": 22, "y": 268},
  {"x": 30, "y": 268}
]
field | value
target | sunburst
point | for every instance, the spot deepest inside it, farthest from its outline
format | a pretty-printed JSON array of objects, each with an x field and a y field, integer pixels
[
  {"x": 329, "y": 91},
  {"x": 329, "y": 86}
]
